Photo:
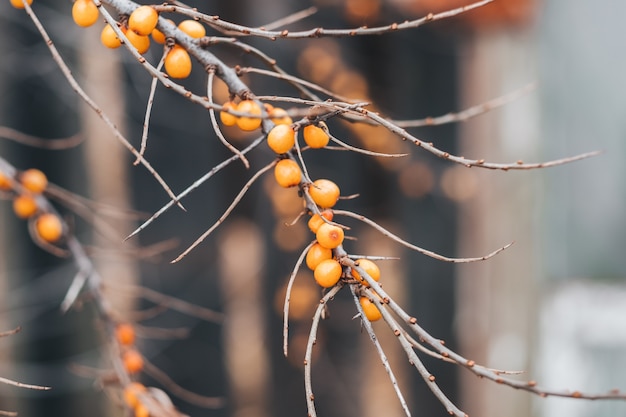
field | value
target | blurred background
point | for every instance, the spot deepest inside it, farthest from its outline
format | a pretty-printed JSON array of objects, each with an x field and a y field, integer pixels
[{"x": 552, "y": 305}]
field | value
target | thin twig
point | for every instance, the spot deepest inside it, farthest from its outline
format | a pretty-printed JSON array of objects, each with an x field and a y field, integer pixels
[
  {"x": 469, "y": 112},
  {"x": 195, "y": 185},
  {"x": 292, "y": 279},
  {"x": 89, "y": 101},
  {"x": 230, "y": 208},
  {"x": 367, "y": 325},
  {"x": 229, "y": 28},
  {"x": 308, "y": 386},
  {"x": 417, "y": 248},
  {"x": 216, "y": 126},
  {"x": 39, "y": 142}
]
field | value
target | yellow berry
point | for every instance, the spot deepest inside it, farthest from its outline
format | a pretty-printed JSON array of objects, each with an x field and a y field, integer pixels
[
  {"x": 140, "y": 42},
  {"x": 49, "y": 227},
  {"x": 158, "y": 36},
  {"x": 316, "y": 220},
  {"x": 249, "y": 123},
  {"x": 324, "y": 193},
  {"x": 327, "y": 273},
  {"x": 85, "y": 13},
  {"x": 287, "y": 173},
  {"x": 109, "y": 38},
  {"x": 34, "y": 180},
  {"x": 143, "y": 20},
  {"x": 133, "y": 361},
  {"x": 315, "y": 136},
  {"x": 6, "y": 183},
  {"x": 19, "y": 5},
  {"x": 178, "y": 62},
  {"x": 125, "y": 334},
  {"x": 370, "y": 268},
  {"x": 142, "y": 411},
  {"x": 25, "y": 206},
  {"x": 281, "y": 138},
  {"x": 192, "y": 28},
  {"x": 371, "y": 311},
  {"x": 227, "y": 118},
  {"x": 316, "y": 254},
  {"x": 279, "y": 116},
  {"x": 130, "y": 393},
  {"x": 329, "y": 236}
]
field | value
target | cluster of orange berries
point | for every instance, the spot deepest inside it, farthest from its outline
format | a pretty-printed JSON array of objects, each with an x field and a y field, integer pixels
[
  {"x": 327, "y": 270},
  {"x": 141, "y": 25},
  {"x": 132, "y": 359},
  {"x": 133, "y": 363},
  {"x": 48, "y": 226}
]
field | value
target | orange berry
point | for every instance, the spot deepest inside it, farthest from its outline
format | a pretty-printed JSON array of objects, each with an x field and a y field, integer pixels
[
  {"x": 6, "y": 182},
  {"x": 324, "y": 193},
  {"x": 143, "y": 20},
  {"x": 24, "y": 206},
  {"x": 19, "y": 5},
  {"x": 125, "y": 334},
  {"x": 287, "y": 173},
  {"x": 140, "y": 42},
  {"x": 158, "y": 36},
  {"x": 329, "y": 236},
  {"x": 109, "y": 38},
  {"x": 369, "y": 308},
  {"x": 279, "y": 116},
  {"x": 327, "y": 273},
  {"x": 141, "y": 411},
  {"x": 281, "y": 138},
  {"x": 317, "y": 254},
  {"x": 192, "y": 28},
  {"x": 316, "y": 220},
  {"x": 133, "y": 361},
  {"x": 49, "y": 227},
  {"x": 130, "y": 393},
  {"x": 227, "y": 118},
  {"x": 85, "y": 13},
  {"x": 34, "y": 180},
  {"x": 249, "y": 123},
  {"x": 315, "y": 136},
  {"x": 178, "y": 62},
  {"x": 370, "y": 267}
]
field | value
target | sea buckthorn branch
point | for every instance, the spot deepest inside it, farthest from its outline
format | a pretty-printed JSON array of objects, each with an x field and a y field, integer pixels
[
  {"x": 519, "y": 165},
  {"x": 438, "y": 345},
  {"x": 414, "y": 360},
  {"x": 89, "y": 101},
  {"x": 124, "y": 357},
  {"x": 367, "y": 325},
  {"x": 234, "y": 29}
]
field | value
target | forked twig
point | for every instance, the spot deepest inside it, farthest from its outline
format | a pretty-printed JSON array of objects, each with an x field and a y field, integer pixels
[
  {"x": 417, "y": 248},
  {"x": 230, "y": 208}
]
